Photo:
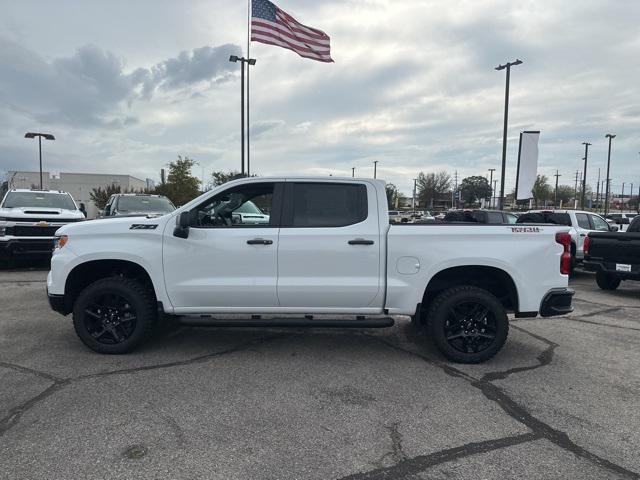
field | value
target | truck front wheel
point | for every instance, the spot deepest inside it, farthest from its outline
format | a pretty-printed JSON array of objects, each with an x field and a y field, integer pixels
[
  {"x": 114, "y": 315},
  {"x": 606, "y": 281},
  {"x": 468, "y": 324}
]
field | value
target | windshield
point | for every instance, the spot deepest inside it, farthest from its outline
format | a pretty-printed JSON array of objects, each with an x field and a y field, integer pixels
[
  {"x": 38, "y": 199},
  {"x": 144, "y": 204}
]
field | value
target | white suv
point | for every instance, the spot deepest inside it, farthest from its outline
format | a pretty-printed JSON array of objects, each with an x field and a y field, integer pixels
[{"x": 29, "y": 220}]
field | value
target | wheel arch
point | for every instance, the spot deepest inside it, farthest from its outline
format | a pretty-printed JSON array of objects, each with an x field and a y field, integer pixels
[
  {"x": 490, "y": 278},
  {"x": 90, "y": 271}
]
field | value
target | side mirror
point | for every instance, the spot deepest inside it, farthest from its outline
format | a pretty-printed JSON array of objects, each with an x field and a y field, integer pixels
[
  {"x": 614, "y": 228},
  {"x": 107, "y": 211},
  {"x": 183, "y": 222}
]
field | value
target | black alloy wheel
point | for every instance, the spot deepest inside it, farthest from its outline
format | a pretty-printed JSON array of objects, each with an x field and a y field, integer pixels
[
  {"x": 114, "y": 315},
  {"x": 470, "y": 327}
]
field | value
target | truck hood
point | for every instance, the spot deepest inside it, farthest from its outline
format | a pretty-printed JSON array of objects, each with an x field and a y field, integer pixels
[
  {"x": 112, "y": 225},
  {"x": 28, "y": 213}
]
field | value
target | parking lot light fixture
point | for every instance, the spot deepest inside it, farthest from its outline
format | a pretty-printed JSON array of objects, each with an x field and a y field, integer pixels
[
  {"x": 375, "y": 168},
  {"x": 47, "y": 136},
  {"x": 608, "y": 180},
  {"x": 506, "y": 66}
]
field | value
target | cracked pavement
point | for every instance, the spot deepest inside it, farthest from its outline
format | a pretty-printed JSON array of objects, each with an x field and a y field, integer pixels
[{"x": 560, "y": 401}]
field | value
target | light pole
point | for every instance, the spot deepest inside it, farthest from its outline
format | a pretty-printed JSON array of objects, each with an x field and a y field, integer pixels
[
  {"x": 555, "y": 198},
  {"x": 508, "y": 66},
  {"x": 47, "y": 136},
  {"x": 375, "y": 168},
  {"x": 606, "y": 197},
  {"x": 249, "y": 61},
  {"x": 414, "y": 194},
  {"x": 353, "y": 172},
  {"x": 584, "y": 173},
  {"x": 491, "y": 183}
]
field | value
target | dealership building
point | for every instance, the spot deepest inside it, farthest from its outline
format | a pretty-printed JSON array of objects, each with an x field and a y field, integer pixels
[{"x": 79, "y": 185}]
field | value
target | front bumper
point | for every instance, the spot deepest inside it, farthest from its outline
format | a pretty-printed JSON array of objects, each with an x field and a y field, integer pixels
[
  {"x": 557, "y": 302},
  {"x": 27, "y": 247},
  {"x": 58, "y": 304}
]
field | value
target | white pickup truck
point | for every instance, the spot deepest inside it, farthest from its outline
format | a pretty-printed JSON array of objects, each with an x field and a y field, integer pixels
[
  {"x": 29, "y": 220},
  {"x": 327, "y": 248}
]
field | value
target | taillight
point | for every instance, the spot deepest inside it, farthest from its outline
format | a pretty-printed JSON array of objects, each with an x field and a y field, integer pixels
[
  {"x": 585, "y": 246},
  {"x": 564, "y": 239}
]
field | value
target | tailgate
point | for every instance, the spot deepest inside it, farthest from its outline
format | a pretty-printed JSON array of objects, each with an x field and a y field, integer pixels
[{"x": 615, "y": 247}]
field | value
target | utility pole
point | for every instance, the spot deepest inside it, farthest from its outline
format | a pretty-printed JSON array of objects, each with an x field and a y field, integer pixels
[
  {"x": 375, "y": 165},
  {"x": 491, "y": 183},
  {"x": 575, "y": 191},
  {"x": 507, "y": 66},
  {"x": 555, "y": 198},
  {"x": 606, "y": 200},
  {"x": 455, "y": 190},
  {"x": 598, "y": 191},
  {"x": 584, "y": 174},
  {"x": 353, "y": 172},
  {"x": 414, "y": 194}
]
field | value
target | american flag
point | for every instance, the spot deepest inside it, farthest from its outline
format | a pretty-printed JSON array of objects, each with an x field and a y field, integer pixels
[{"x": 274, "y": 26}]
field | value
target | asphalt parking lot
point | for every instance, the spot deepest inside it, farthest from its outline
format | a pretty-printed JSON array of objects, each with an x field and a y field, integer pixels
[{"x": 562, "y": 400}]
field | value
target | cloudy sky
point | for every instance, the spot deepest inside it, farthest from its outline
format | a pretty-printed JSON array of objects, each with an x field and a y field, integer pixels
[{"x": 126, "y": 86}]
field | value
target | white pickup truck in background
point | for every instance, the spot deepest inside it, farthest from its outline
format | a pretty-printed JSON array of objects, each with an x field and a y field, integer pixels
[
  {"x": 327, "y": 248},
  {"x": 29, "y": 220}
]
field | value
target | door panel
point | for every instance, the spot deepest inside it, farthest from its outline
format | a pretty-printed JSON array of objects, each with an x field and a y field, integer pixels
[
  {"x": 216, "y": 267},
  {"x": 318, "y": 267},
  {"x": 229, "y": 259}
]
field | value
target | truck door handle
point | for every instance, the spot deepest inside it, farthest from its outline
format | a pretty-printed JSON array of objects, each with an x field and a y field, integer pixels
[
  {"x": 259, "y": 241},
  {"x": 360, "y": 241}
]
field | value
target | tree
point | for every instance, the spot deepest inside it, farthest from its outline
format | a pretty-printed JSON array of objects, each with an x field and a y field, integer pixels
[
  {"x": 472, "y": 189},
  {"x": 392, "y": 195},
  {"x": 181, "y": 187},
  {"x": 565, "y": 194},
  {"x": 99, "y": 196},
  {"x": 541, "y": 190},
  {"x": 220, "y": 177},
  {"x": 432, "y": 187}
]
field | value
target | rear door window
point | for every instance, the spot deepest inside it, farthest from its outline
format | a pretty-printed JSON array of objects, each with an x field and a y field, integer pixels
[
  {"x": 328, "y": 204},
  {"x": 494, "y": 217}
]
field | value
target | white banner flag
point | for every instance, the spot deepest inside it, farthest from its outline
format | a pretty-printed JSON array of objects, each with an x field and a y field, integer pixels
[{"x": 527, "y": 164}]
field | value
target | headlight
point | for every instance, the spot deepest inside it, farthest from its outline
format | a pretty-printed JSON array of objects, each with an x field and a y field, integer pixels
[{"x": 61, "y": 241}]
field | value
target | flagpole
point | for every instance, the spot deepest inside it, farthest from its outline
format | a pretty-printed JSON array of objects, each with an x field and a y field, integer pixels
[{"x": 248, "y": 69}]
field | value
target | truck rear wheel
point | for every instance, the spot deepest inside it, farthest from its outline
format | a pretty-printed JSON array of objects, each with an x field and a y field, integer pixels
[
  {"x": 468, "y": 324},
  {"x": 606, "y": 281},
  {"x": 114, "y": 315}
]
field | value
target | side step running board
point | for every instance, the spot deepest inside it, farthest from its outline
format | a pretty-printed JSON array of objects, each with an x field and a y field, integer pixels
[{"x": 383, "y": 322}]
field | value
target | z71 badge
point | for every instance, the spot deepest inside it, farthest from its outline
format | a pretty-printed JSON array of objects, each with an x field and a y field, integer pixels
[{"x": 143, "y": 226}]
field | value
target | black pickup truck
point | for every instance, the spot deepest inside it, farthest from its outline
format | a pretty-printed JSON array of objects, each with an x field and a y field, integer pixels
[{"x": 614, "y": 256}]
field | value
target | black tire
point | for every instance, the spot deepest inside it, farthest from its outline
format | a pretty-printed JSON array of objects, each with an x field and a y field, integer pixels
[
  {"x": 114, "y": 315},
  {"x": 606, "y": 281},
  {"x": 468, "y": 324}
]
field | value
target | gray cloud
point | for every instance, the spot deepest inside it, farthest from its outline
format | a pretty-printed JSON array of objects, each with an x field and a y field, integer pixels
[{"x": 88, "y": 88}]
